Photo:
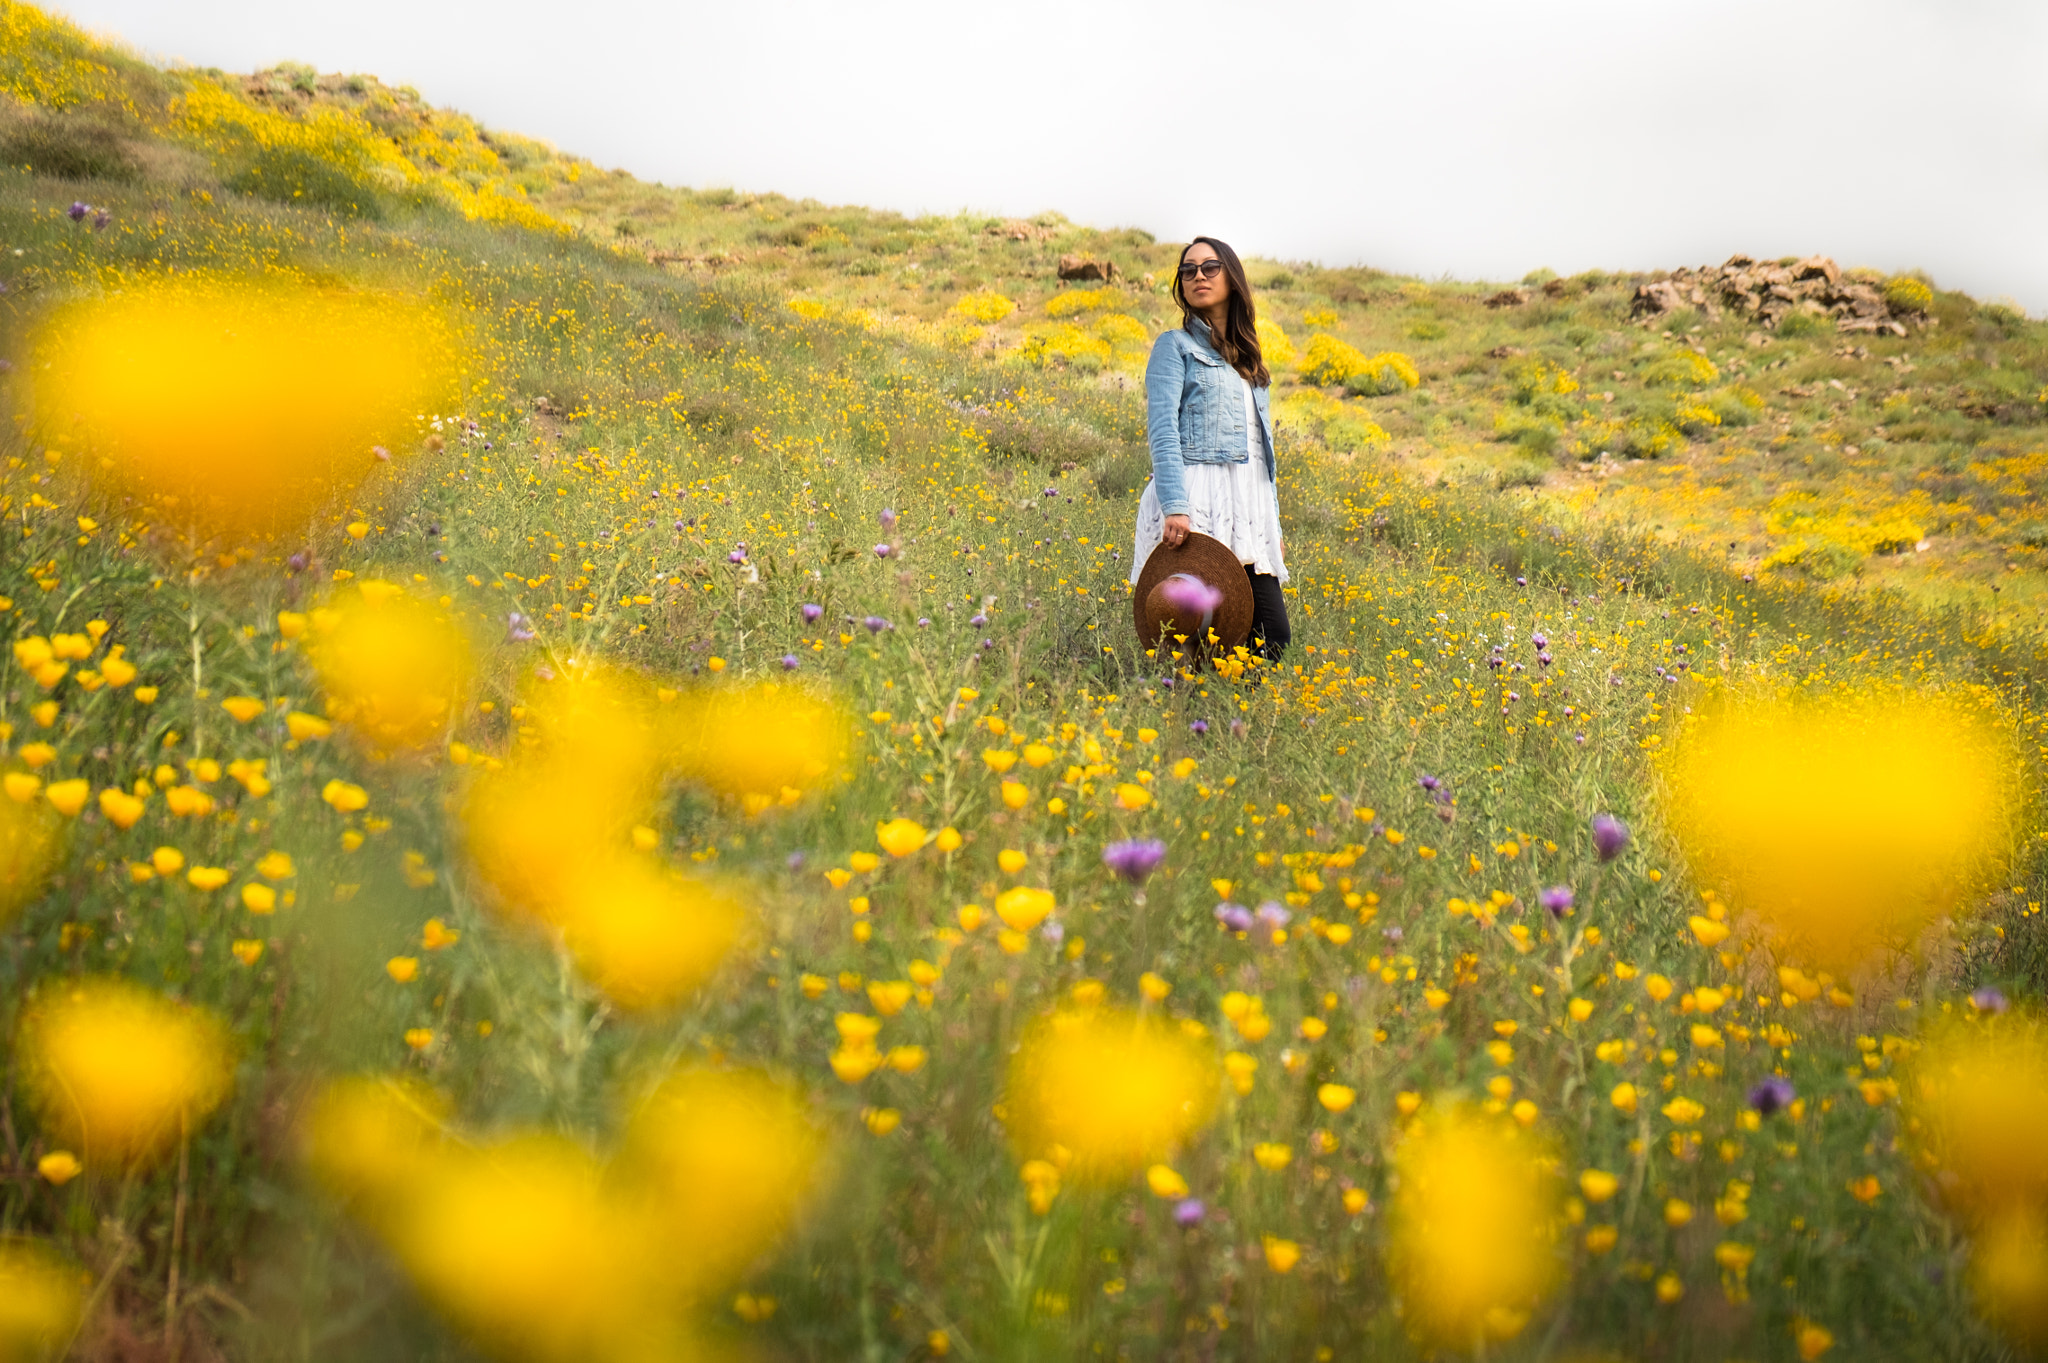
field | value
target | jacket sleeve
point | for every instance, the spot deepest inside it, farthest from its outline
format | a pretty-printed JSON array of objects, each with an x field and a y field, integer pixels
[{"x": 1165, "y": 379}]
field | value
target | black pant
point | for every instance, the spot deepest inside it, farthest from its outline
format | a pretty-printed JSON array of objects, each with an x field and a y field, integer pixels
[{"x": 1269, "y": 616}]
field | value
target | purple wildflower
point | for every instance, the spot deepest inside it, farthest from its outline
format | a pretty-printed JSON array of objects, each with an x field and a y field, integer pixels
[
  {"x": 978, "y": 620},
  {"x": 519, "y": 629},
  {"x": 789, "y": 662},
  {"x": 1539, "y": 640},
  {"x": 736, "y": 556},
  {"x": 1773, "y": 1095},
  {"x": 1557, "y": 899},
  {"x": 1189, "y": 1212},
  {"x": 297, "y": 562},
  {"x": 1054, "y": 932},
  {"x": 1610, "y": 835},
  {"x": 795, "y": 861},
  {"x": 1236, "y": 917},
  {"x": 102, "y": 220},
  {"x": 383, "y": 455},
  {"x": 924, "y": 622},
  {"x": 884, "y": 550},
  {"x": 1429, "y": 783},
  {"x": 1273, "y": 915},
  {"x": 887, "y": 518},
  {"x": 812, "y": 612},
  {"x": 1237, "y": 728},
  {"x": 1136, "y": 859},
  {"x": 79, "y": 210},
  {"x": 1989, "y": 1000},
  {"x": 876, "y": 624},
  {"x": 1521, "y": 582},
  {"x": 1199, "y": 728}
]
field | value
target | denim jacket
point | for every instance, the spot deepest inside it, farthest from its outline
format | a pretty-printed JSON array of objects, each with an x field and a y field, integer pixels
[{"x": 1194, "y": 413}]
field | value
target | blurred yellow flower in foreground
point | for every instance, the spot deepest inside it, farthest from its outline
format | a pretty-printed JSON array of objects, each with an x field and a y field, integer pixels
[
  {"x": 2009, "y": 1274},
  {"x": 1844, "y": 823},
  {"x": 518, "y": 1245},
  {"x": 1118, "y": 1090},
  {"x": 723, "y": 1161},
  {"x": 1474, "y": 1220},
  {"x": 645, "y": 935},
  {"x": 764, "y": 744},
  {"x": 40, "y": 1300},
  {"x": 1978, "y": 1097},
  {"x": 536, "y": 1248},
  {"x": 367, "y": 1137},
  {"x": 117, "y": 1071},
  {"x": 249, "y": 403},
  {"x": 28, "y": 852},
  {"x": 394, "y": 667}
]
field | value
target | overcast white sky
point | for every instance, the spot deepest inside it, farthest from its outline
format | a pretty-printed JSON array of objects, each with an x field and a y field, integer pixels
[{"x": 1479, "y": 138}]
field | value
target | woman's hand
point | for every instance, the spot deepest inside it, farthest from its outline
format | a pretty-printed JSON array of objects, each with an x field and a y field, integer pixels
[{"x": 1176, "y": 532}]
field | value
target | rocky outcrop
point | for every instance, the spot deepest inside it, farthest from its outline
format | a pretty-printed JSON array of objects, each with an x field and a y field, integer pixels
[
  {"x": 1767, "y": 292},
  {"x": 1087, "y": 267}
]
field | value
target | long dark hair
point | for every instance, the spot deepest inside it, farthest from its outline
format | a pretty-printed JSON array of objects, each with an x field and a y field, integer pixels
[{"x": 1238, "y": 341}]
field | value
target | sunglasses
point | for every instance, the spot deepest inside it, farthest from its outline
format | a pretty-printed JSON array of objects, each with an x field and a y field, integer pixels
[{"x": 1207, "y": 269}]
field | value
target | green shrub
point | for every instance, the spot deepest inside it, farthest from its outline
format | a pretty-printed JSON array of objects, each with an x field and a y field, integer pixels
[
  {"x": 287, "y": 175},
  {"x": 1800, "y": 324},
  {"x": 1349, "y": 434},
  {"x": 70, "y": 146},
  {"x": 1908, "y": 294},
  {"x": 1426, "y": 331},
  {"x": 1530, "y": 430},
  {"x": 1543, "y": 391},
  {"x": 1681, "y": 369},
  {"x": 1365, "y": 376},
  {"x": 1737, "y": 406}
]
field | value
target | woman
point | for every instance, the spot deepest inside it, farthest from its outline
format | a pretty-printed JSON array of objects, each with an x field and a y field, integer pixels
[{"x": 1211, "y": 432}]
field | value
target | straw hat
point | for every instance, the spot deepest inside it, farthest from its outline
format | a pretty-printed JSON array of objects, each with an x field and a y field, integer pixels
[{"x": 1191, "y": 589}]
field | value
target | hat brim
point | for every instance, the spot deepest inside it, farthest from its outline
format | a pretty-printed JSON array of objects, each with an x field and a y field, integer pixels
[{"x": 1215, "y": 563}]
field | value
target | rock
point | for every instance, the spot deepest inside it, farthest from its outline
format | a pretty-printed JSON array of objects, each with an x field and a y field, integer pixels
[
  {"x": 1554, "y": 288},
  {"x": 1087, "y": 267},
  {"x": 1877, "y": 326},
  {"x": 1653, "y": 299},
  {"x": 1818, "y": 267},
  {"x": 1505, "y": 352},
  {"x": 1016, "y": 229},
  {"x": 1508, "y": 298},
  {"x": 1865, "y": 301},
  {"x": 1767, "y": 293}
]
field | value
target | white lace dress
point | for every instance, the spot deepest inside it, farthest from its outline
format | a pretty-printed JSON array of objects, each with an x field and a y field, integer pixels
[{"x": 1234, "y": 503}]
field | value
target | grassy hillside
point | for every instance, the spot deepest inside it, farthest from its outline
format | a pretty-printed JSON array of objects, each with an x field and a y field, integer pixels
[{"x": 621, "y": 873}]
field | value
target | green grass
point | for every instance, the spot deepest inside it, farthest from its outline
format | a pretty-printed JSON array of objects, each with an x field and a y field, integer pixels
[{"x": 690, "y": 410}]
